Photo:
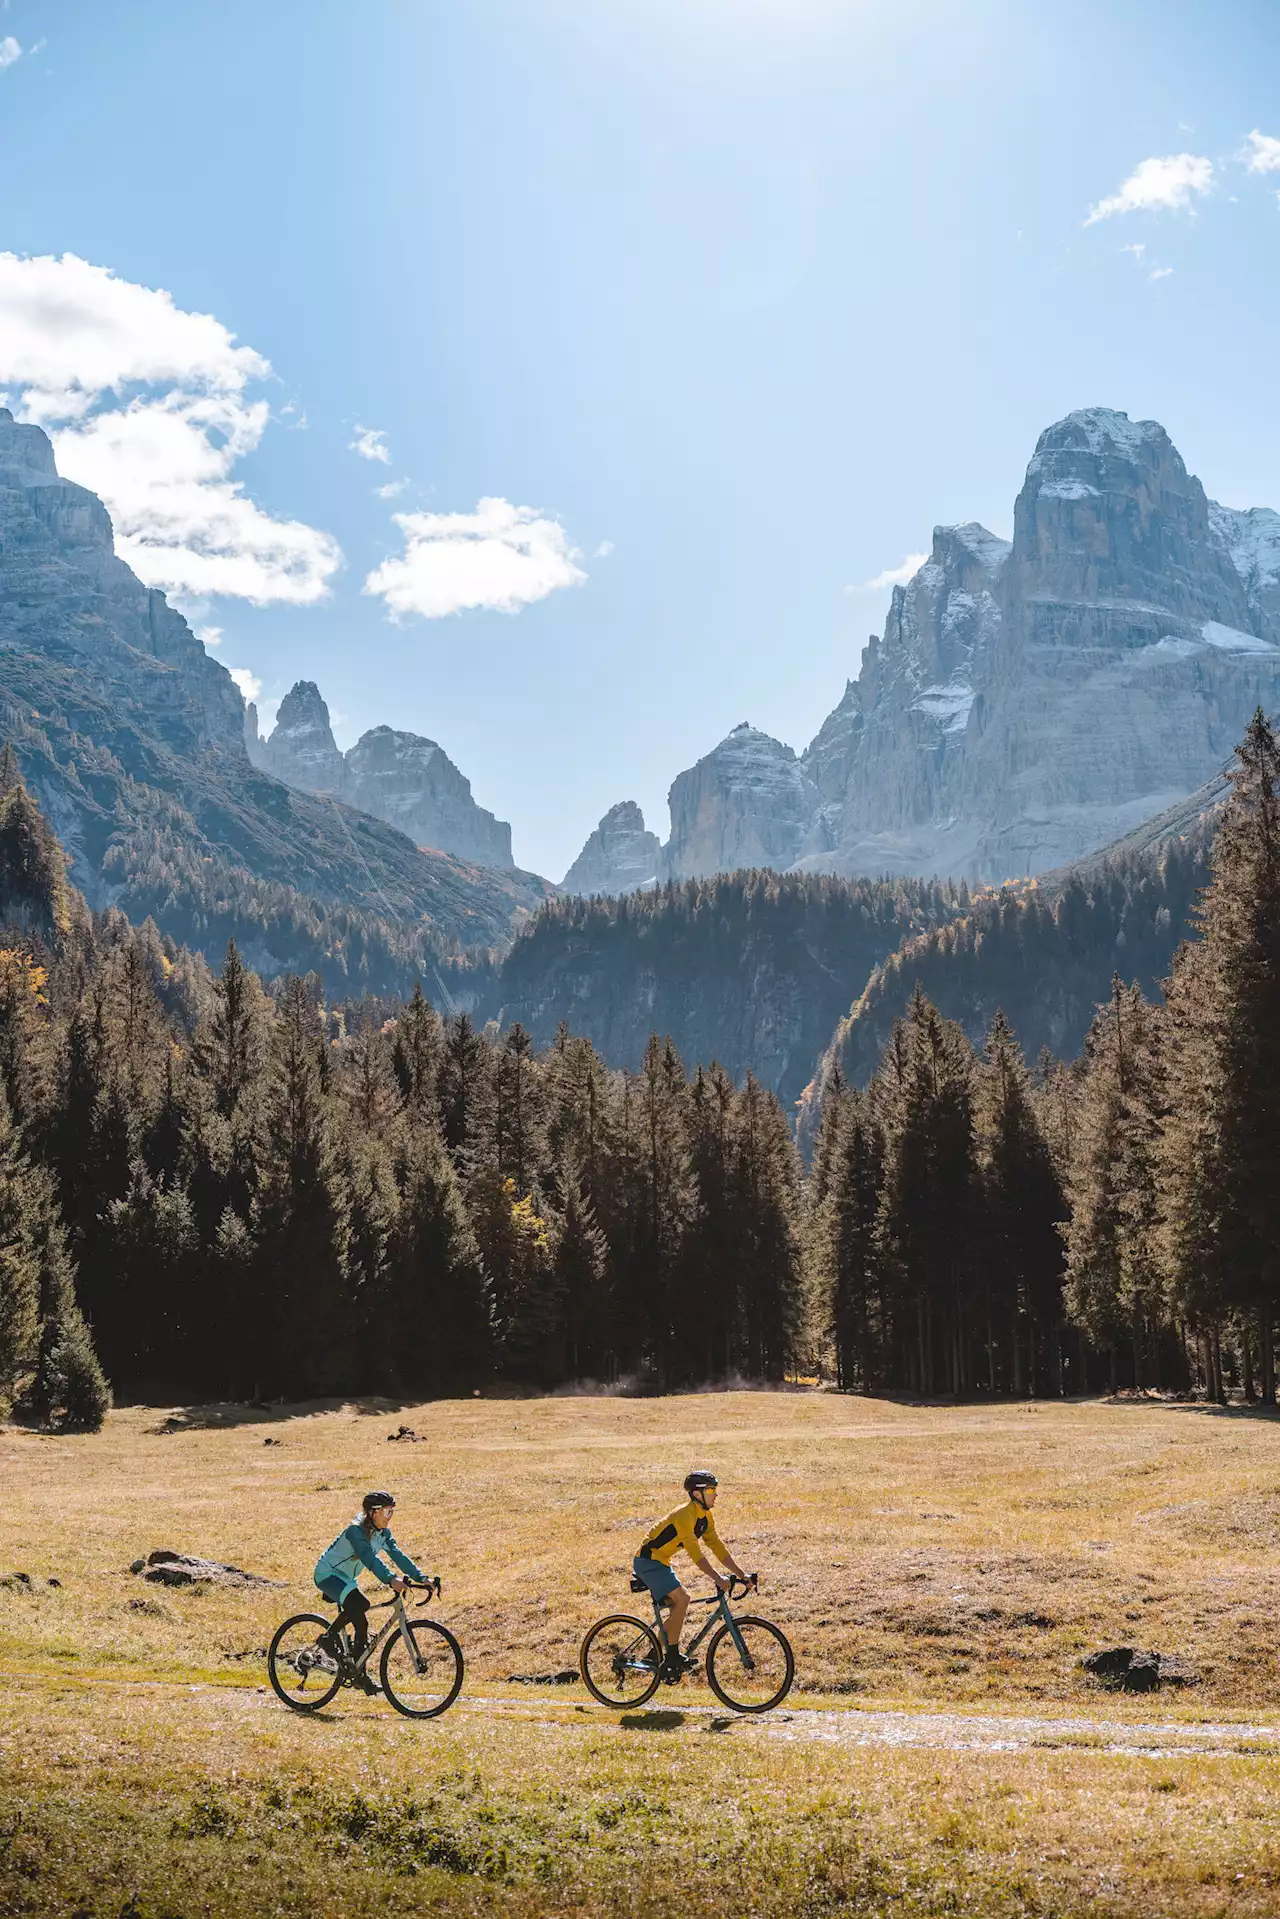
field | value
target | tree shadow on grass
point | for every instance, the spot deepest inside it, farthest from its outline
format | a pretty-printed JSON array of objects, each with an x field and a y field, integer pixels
[
  {"x": 666, "y": 1720},
  {"x": 219, "y": 1414}
]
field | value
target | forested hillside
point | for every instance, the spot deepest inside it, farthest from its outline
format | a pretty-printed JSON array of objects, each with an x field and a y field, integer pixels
[
  {"x": 1043, "y": 957},
  {"x": 300, "y": 882},
  {"x": 750, "y": 969},
  {"x": 265, "y": 1191}
]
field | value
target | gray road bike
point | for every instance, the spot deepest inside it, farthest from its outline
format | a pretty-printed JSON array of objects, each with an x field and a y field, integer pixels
[
  {"x": 311, "y": 1658},
  {"x": 750, "y": 1665}
]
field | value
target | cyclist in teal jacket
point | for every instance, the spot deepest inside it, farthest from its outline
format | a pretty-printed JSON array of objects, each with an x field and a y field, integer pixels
[{"x": 354, "y": 1550}]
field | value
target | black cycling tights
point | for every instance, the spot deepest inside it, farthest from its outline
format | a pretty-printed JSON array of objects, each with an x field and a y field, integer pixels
[{"x": 355, "y": 1613}]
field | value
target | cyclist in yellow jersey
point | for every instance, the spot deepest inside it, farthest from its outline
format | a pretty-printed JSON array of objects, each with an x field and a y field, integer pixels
[{"x": 687, "y": 1529}]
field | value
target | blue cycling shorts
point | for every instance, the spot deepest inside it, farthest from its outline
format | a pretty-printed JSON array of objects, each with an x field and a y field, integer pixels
[{"x": 658, "y": 1578}]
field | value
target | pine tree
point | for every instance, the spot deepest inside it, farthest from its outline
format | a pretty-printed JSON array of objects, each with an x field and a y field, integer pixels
[
  {"x": 415, "y": 1054},
  {"x": 580, "y": 1259},
  {"x": 711, "y": 1243},
  {"x": 300, "y": 1223},
  {"x": 1022, "y": 1208},
  {"x": 69, "y": 1391},
  {"x": 1226, "y": 1208},
  {"x": 765, "y": 1194},
  {"x": 1115, "y": 1280},
  {"x": 434, "y": 1312},
  {"x": 924, "y": 1098},
  {"x": 151, "y": 1245},
  {"x": 19, "y": 1266},
  {"x": 846, "y": 1253},
  {"x": 33, "y": 873}
]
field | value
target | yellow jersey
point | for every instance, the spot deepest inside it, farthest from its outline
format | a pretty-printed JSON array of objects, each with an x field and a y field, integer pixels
[{"x": 688, "y": 1528}]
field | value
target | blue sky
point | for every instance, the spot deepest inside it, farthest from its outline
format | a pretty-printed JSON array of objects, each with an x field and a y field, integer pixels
[{"x": 721, "y": 304}]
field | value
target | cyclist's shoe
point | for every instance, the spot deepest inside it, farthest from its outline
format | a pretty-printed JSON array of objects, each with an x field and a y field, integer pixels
[
  {"x": 675, "y": 1666},
  {"x": 363, "y": 1683}
]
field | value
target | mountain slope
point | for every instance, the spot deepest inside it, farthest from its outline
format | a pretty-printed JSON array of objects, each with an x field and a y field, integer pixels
[
  {"x": 751, "y": 969},
  {"x": 133, "y": 738},
  {"x": 1044, "y": 955}
]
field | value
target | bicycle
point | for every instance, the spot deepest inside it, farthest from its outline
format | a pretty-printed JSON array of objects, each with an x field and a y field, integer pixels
[
  {"x": 422, "y": 1666},
  {"x": 749, "y": 1664}
]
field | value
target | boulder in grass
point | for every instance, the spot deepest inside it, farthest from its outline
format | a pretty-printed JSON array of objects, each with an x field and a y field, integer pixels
[
  {"x": 25, "y": 1583},
  {"x": 1127, "y": 1669},
  {"x": 184, "y": 1569}
]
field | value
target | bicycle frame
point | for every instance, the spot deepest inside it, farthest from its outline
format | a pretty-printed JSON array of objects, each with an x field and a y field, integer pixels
[
  {"x": 720, "y": 1600},
  {"x": 398, "y": 1618}
]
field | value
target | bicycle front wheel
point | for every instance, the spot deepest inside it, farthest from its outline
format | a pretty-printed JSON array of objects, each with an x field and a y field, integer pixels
[
  {"x": 302, "y": 1672},
  {"x": 753, "y": 1676},
  {"x": 422, "y": 1669},
  {"x": 621, "y": 1661}
]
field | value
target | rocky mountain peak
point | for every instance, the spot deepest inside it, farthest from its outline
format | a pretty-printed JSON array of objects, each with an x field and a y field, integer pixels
[
  {"x": 1028, "y": 701},
  {"x": 26, "y": 454},
  {"x": 399, "y": 777},
  {"x": 619, "y": 857},
  {"x": 302, "y": 749},
  {"x": 65, "y": 595},
  {"x": 750, "y": 802}
]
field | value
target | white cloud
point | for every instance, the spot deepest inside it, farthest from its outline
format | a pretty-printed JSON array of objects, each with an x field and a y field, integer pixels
[
  {"x": 501, "y": 557},
  {"x": 391, "y": 490},
  {"x": 249, "y": 683},
  {"x": 1159, "y": 273},
  {"x": 1262, "y": 153},
  {"x": 148, "y": 406},
  {"x": 604, "y": 549},
  {"x": 209, "y": 635},
  {"x": 9, "y": 51},
  {"x": 371, "y": 444},
  {"x": 1158, "y": 186},
  {"x": 896, "y": 575},
  {"x": 1137, "y": 248}
]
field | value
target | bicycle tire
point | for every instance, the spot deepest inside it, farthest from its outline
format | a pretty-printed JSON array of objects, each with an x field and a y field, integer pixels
[
  {"x": 642, "y": 1630},
  {"x": 717, "y": 1684},
  {"x": 281, "y": 1691},
  {"x": 422, "y": 1628}
]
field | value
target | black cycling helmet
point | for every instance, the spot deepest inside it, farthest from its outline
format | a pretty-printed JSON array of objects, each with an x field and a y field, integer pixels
[
  {"x": 371, "y": 1500},
  {"x": 697, "y": 1482}
]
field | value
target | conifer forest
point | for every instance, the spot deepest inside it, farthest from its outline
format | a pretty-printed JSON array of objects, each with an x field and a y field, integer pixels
[{"x": 214, "y": 1188}]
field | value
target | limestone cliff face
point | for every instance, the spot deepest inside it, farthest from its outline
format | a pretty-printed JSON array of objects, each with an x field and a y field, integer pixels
[
  {"x": 619, "y": 857},
  {"x": 399, "y": 777},
  {"x": 750, "y": 802},
  {"x": 412, "y": 783},
  {"x": 65, "y": 596},
  {"x": 1028, "y": 701}
]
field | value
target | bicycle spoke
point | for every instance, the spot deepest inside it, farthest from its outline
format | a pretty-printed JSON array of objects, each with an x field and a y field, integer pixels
[
  {"x": 620, "y": 1660},
  {"x": 303, "y": 1672},
  {"x": 755, "y": 1675},
  {"x": 422, "y": 1669}
]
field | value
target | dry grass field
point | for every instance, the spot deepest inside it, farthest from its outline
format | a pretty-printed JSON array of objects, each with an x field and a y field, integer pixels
[{"x": 941, "y": 1572}]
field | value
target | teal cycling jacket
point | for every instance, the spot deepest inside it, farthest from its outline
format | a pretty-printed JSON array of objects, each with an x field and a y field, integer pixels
[{"x": 355, "y": 1550}]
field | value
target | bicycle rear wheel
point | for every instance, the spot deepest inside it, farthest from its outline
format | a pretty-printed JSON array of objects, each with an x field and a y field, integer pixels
[
  {"x": 763, "y": 1678},
  {"x": 621, "y": 1661},
  {"x": 422, "y": 1672},
  {"x": 304, "y": 1674}
]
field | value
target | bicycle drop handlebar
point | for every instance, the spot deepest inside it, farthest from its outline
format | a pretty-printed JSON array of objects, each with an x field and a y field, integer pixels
[{"x": 431, "y": 1587}]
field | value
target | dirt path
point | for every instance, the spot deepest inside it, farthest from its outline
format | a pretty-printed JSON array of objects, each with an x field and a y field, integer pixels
[{"x": 849, "y": 1726}]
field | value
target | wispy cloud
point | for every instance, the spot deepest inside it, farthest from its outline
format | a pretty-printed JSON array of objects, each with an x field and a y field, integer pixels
[
  {"x": 896, "y": 575},
  {"x": 501, "y": 557},
  {"x": 1159, "y": 273},
  {"x": 1136, "y": 247},
  {"x": 371, "y": 444},
  {"x": 391, "y": 490},
  {"x": 148, "y": 405},
  {"x": 1156, "y": 185},
  {"x": 9, "y": 51},
  {"x": 1262, "y": 153}
]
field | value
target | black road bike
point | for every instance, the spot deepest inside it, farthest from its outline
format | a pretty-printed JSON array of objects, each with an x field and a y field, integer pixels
[
  {"x": 750, "y": 1665},
  {"x": 311, "y": 1658}
]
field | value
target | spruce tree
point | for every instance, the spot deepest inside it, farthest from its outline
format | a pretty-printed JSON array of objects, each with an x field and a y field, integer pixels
[
  {"x": 580, "y": 1261},
  {"x": 300, "y": 1217},
  {"x": 434, "y": 1322},
  {"x": 1022, "y": 1209},
  {"x": 847, "y": 1264}
]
